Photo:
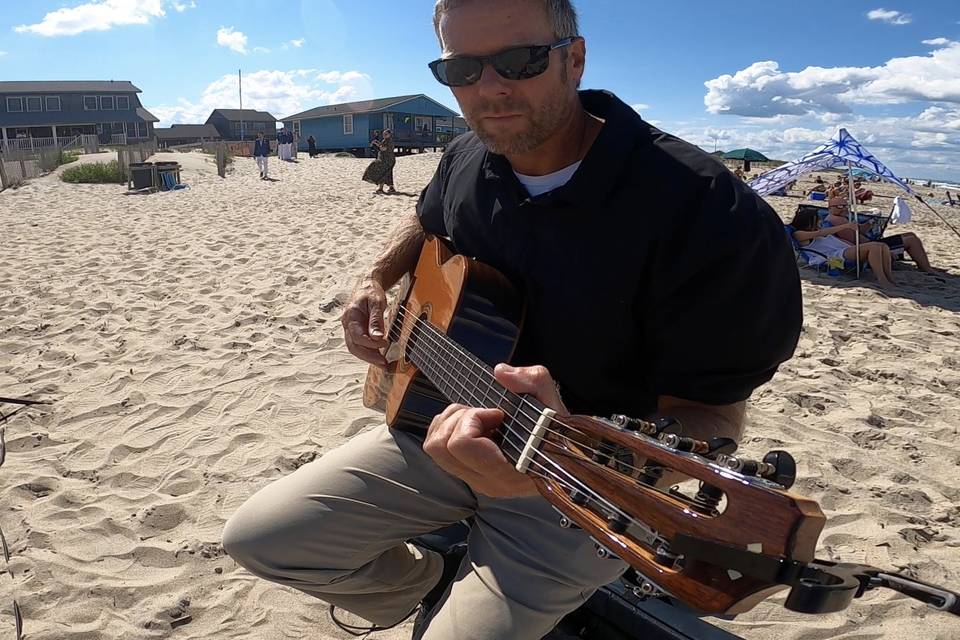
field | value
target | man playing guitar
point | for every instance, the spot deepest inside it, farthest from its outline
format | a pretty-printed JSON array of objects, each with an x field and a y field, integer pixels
[{"x": 655, "y": 282}]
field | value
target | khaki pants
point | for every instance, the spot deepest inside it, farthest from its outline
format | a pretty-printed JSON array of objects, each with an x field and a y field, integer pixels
[{"x": 335, "y": 529}]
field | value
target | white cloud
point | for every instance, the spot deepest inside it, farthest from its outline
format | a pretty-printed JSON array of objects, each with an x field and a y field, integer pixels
[
  {"x": 2, "y": 53},
  {"x": 889, "y": 16},
  {"x": 938, "y": 42},
  {"x": 297, "y": 43},
  {"x": 98, "y": 15},
  {"x": 233, "y": 40},
  {"x": 282, "y": 93},
  {"x": 639, "y": 107},
  {"x": 763, "y": 90},
  {"x": 180, "y": 7},
  {"x": 923, "y": 145},
  {"x": 261, "y": 50}
]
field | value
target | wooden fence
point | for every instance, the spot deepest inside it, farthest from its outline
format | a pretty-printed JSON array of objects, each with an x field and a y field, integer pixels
[
  {"x": 134, "y": 153},
  {"x": 17, "y": 166}
]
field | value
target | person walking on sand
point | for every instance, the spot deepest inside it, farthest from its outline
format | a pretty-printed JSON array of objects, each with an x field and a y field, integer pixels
[
  {"x": 380, "y": 171},
  {"x": 261, "y": 149}
]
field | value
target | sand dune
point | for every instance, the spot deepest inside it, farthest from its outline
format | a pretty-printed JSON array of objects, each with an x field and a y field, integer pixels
[{"x": 191, "y": 345}]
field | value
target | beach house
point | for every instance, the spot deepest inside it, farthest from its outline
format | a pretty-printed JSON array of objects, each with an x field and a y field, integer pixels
[
  {"x": 186, "y": 134},
  {"x": 417, "y": 121},
  {"x": 48, "y": 113},
  {"x": 243, "y": 124}
]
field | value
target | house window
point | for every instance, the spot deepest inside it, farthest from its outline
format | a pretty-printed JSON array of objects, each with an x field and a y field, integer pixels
[
  {"x": 423, "y": 124},
  {"x": 34, "y": 103},
  {"x": 106, "y": 103},
  {"x": 123, "y": 103},
  {"x": 89, "y": 103},
  {"x": 388, "y": 121},
  {"x": 348, "y": 124},
  {"x": 53, "y": 103},
  {"x": 14, "y": 104}
]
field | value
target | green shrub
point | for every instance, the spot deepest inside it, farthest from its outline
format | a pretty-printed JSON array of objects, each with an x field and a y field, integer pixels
[
  {"x": 66, "y": 157},
  {"x": 95, "y": 173}
]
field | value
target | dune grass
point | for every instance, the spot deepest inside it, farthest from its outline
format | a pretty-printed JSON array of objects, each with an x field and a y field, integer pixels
[{"x": 95, "y": 173}]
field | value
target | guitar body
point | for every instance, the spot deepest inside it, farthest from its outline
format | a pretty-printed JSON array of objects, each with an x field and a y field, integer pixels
[{"x": 472, "y": 303}]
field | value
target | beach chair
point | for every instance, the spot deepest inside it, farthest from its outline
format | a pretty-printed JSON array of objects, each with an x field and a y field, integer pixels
[{"x": 807, "y": 258}]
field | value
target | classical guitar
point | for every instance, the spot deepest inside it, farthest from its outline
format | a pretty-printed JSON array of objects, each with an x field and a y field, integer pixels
[{"x": 738, "y": 538}]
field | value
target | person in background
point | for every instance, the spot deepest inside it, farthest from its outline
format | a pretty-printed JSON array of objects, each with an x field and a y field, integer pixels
[
  {"x": 375, "y": 144},
  {"x": 312, "y": 146},
  {"x": 380, "y": 171},
  {"x": 863, "y": 194},
  {"x": 261, "y": 149},
  {"x": 839, "y": 216},
  {"x": 825, "y": 243}
]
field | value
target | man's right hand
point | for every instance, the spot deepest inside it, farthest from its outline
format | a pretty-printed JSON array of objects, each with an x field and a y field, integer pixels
[{"x": 362, "y": 322}]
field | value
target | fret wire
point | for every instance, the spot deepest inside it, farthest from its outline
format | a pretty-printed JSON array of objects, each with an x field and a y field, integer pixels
[{"x": 433, "y": 360}]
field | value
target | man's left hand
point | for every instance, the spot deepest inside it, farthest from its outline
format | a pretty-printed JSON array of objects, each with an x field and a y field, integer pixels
[{"x": 460, "y": 438}]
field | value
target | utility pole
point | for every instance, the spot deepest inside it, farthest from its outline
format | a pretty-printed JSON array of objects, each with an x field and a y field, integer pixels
[{"x": 240, "y": 80}]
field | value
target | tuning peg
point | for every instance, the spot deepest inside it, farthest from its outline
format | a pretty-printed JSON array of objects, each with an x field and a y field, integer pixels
[
  {"x": 720, "y": 446},
  {"x": 655, "y": 428},
  {"x": 785, "y": 468}
]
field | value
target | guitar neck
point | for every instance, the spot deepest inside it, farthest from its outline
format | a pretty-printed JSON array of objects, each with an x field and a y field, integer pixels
[{"x": 465, "y": 379}]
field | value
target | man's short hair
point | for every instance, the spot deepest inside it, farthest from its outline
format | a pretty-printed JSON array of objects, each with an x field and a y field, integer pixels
[{"x": 561, "y": 14}]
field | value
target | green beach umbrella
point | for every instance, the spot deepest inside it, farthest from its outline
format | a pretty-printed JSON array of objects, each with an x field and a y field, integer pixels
[{"x": 745, "y": 154}]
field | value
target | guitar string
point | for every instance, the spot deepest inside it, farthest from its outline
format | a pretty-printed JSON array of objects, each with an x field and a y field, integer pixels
[
  {"x": 483, "y": 366},
  {"x": 528, "y": 431},
  {"x": 651, "y": 533},
  {"x": 503, "y": 396}
]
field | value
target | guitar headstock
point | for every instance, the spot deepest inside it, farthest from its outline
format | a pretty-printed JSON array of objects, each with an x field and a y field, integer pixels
[{"x": 605, "y": 476}]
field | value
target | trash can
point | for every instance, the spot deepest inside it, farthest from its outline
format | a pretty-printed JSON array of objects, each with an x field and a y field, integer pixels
[{"x": 141, "y": 174}]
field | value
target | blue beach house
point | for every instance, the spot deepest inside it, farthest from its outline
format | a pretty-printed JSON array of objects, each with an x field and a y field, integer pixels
[
  {"x": 418, "y": 122},
  {"x": 51, "y": 113}
]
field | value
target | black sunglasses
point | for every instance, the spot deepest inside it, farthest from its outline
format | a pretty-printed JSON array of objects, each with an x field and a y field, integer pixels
[{"x": 518, "y": 63}]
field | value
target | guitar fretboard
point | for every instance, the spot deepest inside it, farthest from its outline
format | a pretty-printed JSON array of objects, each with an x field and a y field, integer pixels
[{"x": 464, "y": 379}]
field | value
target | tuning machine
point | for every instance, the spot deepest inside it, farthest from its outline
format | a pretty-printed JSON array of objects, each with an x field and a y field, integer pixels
[
  {"x": 777, "y": 466},
  {"x": 647, "y": 427}
]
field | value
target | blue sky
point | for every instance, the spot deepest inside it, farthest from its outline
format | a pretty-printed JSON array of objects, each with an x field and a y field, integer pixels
[{"x": 767, "y": 75}]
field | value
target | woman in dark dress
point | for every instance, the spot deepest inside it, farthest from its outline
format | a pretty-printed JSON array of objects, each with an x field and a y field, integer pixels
[
  {"x": 312, "y": 146},
  {"x": 380, "y": 171}
]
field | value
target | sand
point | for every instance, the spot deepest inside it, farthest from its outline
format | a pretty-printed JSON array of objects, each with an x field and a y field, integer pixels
[{"x": 190, "y": 344}]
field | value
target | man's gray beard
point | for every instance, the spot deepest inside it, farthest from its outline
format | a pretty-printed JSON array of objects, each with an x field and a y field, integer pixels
[
  {"x": 543, "y": 125},
  {"x": 521, "y": 143}
]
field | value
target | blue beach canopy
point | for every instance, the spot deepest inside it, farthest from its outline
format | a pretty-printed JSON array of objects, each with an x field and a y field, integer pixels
[{"x": 839, "y": 152}]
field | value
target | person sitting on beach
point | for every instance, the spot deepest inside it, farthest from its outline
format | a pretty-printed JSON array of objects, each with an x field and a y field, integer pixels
[
  {"x": 862, "y": 194},
  {"x": 738, "y": 172},
  {"x": 543, "y": 189},
  {"x": 809, "y": 235},
  {"x": 908, "y": 241}
]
